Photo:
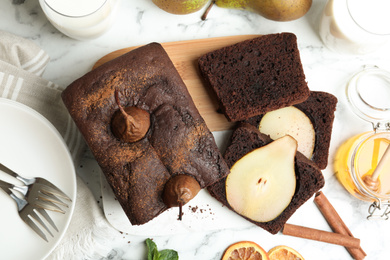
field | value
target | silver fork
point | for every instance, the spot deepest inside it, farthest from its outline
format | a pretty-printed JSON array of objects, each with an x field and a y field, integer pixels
[
  {"x": 27, "y": 213},
  {"x": 33, "y": 195},
  {"x": 46, "y": 187}
]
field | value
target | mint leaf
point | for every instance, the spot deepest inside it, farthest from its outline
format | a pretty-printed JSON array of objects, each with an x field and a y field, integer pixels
[
  {"x": 168, "y": 254},
  {"x": 152, "y": 249},
  {"x": 154, "y": 254}
]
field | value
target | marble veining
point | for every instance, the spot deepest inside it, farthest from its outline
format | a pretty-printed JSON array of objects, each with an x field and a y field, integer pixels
[{"x": 139, "y": 22}]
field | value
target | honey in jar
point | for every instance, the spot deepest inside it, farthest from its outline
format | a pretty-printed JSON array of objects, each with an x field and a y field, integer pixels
[
  {"x": 357, "y": 160},
  {"x": 362, "y": 154}
]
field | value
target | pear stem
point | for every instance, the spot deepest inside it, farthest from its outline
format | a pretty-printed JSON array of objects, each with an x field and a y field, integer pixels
[
  {"x": 206, "y": 12},
  {"x": 129, "y": 118},
  {"x": 118, "y": 102}
]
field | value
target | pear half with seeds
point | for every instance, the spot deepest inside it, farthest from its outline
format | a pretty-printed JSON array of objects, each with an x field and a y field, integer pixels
[{"x": 262, "y": 183}]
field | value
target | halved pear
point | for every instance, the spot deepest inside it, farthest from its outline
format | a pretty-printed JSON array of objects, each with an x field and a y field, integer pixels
[
  {"x": 290, "y": 121},
  {"x": 262, "y": 183}
]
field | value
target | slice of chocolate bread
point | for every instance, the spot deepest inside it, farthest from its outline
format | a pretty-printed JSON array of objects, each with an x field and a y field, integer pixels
[
  {"x": 309, "y": 178},
  {"x": 256, "y": 76},
  {"x": 320, "y": 108}
]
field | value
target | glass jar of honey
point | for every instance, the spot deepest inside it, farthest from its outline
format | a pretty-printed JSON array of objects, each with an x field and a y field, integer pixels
[{"x": 362, "y": 163}]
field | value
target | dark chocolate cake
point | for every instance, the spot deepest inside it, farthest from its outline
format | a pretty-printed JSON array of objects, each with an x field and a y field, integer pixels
[{"x": 178, "y": 140}]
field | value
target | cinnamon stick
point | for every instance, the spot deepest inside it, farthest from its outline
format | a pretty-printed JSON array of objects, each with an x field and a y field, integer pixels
[
  {"x": 336, "y": 223},
  {"x": 320, "y": 235}
]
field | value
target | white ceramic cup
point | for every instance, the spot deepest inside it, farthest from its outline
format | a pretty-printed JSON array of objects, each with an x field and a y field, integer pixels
[
  {"x": 80, "y": 19},
  {"x": 355, "y": 26}
]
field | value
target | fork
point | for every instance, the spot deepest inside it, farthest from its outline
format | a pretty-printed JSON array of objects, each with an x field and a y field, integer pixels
[
  {"x": 33, "y": 195},
  {"x": 27, "y": 213},
  {"x": 46, "y": 187}
]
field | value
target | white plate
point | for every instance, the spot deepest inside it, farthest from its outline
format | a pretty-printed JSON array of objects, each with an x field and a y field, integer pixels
[
  {"x": 203, "y": 213},
  {"x": 31, "y": 146}
]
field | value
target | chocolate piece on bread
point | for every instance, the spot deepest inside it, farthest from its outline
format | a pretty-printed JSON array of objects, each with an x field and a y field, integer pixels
[
  {"x": 246, "y": 138},
  {"x": 320, "y": 108},
  {"x": 178, "y": 140},
  {"x": 256, "y": 76}
]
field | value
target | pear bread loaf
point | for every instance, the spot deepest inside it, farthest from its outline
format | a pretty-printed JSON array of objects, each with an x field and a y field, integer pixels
[
  {"x": 320, "y": 108},
  {"x": 255, "y": 76},
  {"x": 309, "y": 178},
  {"x": 177, "y": 142}
]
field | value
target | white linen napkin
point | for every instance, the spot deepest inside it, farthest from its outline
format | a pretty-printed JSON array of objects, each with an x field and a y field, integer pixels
[{"x": 22, "y": 64}]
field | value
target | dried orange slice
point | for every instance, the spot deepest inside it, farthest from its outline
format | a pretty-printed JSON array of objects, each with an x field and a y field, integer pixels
[
  {"x": 284, "y": 253},
  {"x": 245, "y": 250}
]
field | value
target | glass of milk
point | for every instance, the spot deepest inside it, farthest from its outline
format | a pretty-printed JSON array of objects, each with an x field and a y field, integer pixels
[
  {"x": 355, "y": 26},
  {"x": 80, "y": 19}
]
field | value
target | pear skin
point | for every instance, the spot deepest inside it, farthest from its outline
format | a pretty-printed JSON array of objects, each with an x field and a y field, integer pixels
[
  {"x": 233, "y": 4},
  {"x": 276, "y": 10},
  {"x": 180, "y": 6}
]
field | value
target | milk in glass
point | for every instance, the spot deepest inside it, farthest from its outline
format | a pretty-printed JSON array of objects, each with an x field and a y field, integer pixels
[
  {"x": 355, "y": 26},
  {"x": 80, "y": 19}
]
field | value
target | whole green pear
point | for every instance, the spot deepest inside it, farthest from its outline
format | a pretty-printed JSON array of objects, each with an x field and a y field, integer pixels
[
  {"x": 180, "y": 6},
  {"x": 277, "y": 10}
]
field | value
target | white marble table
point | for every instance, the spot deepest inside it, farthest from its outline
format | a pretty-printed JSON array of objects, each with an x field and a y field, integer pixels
[{"x": 140, "y": 22}]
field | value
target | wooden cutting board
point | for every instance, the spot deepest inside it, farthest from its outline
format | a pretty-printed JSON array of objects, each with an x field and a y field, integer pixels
[{"x": 184, "y": 55}]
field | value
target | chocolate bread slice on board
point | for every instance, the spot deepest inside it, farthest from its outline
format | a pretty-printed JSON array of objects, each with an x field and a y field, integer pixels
[
  {"x": 309, "y": 177},
  {"x": 320, "y": 108},
  {"x": 256, "y": 76}
]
